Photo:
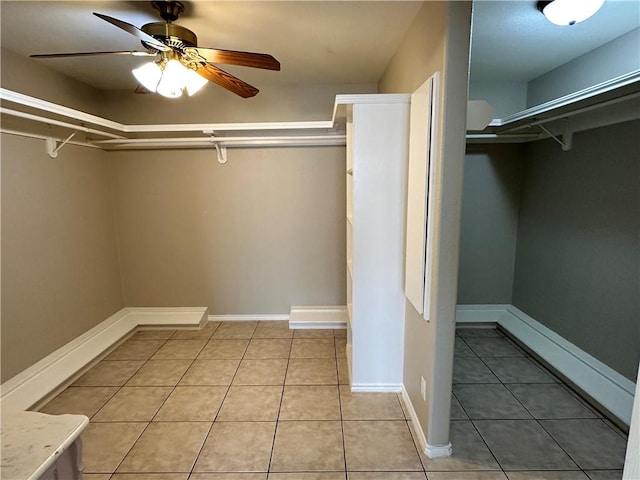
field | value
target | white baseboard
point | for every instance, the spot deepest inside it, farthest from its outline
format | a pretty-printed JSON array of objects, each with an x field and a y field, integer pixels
[
  {"x": 413, "y": 416},
  {"x": 28, "y": 387},
  {"x": 606, "y": 386},
  {"x": 318, "y": 317},
  {"x": 249, "y": 318},
  {"x": 376, "y": 387}
]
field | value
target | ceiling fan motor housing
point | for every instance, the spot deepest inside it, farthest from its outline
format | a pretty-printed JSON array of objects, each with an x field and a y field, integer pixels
[{"x": 171, "y": 34}]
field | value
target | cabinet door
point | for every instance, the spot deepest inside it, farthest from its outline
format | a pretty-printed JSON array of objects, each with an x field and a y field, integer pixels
[{"x": 422, "y": 146}]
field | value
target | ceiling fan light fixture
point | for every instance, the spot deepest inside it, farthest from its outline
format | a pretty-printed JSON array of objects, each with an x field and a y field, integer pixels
[
  {"x": 172, "y": 81},
  {"x": 148, "y": 75},
  {"x": 193, "y": 81},
  {"x": 569, "y": 12}
]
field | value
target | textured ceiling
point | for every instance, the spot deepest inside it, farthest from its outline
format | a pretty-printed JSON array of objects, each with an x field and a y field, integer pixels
[{"x": 315, "y": 41}]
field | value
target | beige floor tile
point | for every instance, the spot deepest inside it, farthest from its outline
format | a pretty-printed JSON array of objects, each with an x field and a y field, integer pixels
[
  {"x": 341, "y": 347},
  {"x": 380, "y": 446},
  {"x": 179, "y": 350},
  {"x": 273, "y": 329},
  {"x": 557, "y": 475},
  {"x": 149, "y": 476},
  {"x": 251, "y": 404},
  {"x": 340, "y": 333},
  {"x": 237, "y": 447},
  {"x": 228, "y": 476},
  {"x": 263, "y": 348},
  {"x": 157, "y": 334},
  {"x": 261, "y": 372},
  {"x": 210, "y": 372},
  {"x": 235, "y": 330},
  {"x": 104, "y": 445},
  {"x": 312, "y": 402},
  {"x": 312, "y": 333},
  {"x": 166, "y": 447},
  {"x": 405, "y": 410},
  {"x": 203, "y": 333},
  {"x": 133, "y": 404},
  {"x": 308, "y": 476},
  {"x": 159, "y": 373},
  {"x": 135, "y": 350},
  {"x": 343, "y": 371},
  {"x": 109, "y": 374},
  {"x": 468, "y": 476},
  {"x": 79, "y": 400},
  {"x": 224, "y": 349},
  {"x": 313, "y": 348},
  {"x": 192, "y": 404},
  {"x": 387, "y": 476},
  {"x": 308, "y": 446},
  {"x": 369, "y": 406},
  {"x": 96, "y": 476},
  {"x": 312, "y": 371}
]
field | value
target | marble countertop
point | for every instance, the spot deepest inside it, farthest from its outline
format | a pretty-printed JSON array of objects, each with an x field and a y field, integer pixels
[{"x": 32, "y": 441}]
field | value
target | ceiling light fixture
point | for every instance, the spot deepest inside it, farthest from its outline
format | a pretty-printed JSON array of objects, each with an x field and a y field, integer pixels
[
  {"x": 569, "y": 12},
  {"x": 169, "y": 78}
]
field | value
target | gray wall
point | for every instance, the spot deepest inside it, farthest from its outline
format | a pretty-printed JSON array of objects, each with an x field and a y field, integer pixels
[
  {"x": 505, "y": 97},
  {"x": 618, "y": 57},
  {"x": 437, "y": 41},
  {"x": 491, "y": 196},
  {"x": 578, "y": 260}
]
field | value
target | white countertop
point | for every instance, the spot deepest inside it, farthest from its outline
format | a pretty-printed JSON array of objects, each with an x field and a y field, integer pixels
[{"x": 32, "y": 441}]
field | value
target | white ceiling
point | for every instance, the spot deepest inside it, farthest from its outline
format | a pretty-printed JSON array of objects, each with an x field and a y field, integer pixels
[
  {"x": 513, "y": 41},
  {"x": 316, "y": 42}
]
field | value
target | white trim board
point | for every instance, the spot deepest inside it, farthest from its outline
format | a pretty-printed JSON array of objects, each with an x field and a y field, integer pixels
[
  {"x": 31, "y": 385},
  {"x": 431, "y": 451},
  {"x": 606, "y": 386},
  {"x": 249, "y": 317},
  {"x": 318, "y": 317},
  {"x": 377, "y": 387}
]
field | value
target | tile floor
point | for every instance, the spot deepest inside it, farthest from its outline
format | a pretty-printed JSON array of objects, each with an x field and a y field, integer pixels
[{"x": 257, "y": 401}]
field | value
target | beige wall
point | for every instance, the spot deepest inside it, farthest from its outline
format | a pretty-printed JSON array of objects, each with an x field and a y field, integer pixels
[
  {"x": 59, "y": 258},
  {"x": 60, "y": 272},
  {"x": 31, "y": 77},
  {"x": 254, "y": 236},
  {"x": 438, "y": 40},
  {"x": 274, "y": 103}
]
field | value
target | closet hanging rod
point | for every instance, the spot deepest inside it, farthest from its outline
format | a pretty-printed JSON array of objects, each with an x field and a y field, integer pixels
[
  {"x": 44, "y": 137},
  {"x": 50, "y": 121},
  {"x": 209, "y": 140}
]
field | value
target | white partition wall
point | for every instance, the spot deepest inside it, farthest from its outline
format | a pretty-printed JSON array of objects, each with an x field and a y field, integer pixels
[{"x": 377, "y": 146}]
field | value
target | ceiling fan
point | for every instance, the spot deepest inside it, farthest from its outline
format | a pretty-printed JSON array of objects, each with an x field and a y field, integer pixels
[{"x": 182, "y": 65}]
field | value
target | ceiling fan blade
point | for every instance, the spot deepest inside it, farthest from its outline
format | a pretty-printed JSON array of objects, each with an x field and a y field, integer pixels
[
  {"x": 135, "y": 31},
  {"x": 226, "y": 80},
  {"x": 90, "y": 54},
  {"x": 245, "y": 59}
]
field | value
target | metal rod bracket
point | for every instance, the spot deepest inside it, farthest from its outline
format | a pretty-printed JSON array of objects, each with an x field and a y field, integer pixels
[
  {"x": 220, "y": 151},
  {"x": 52, "y": 145},
  {"x": 567, "y": 138}
]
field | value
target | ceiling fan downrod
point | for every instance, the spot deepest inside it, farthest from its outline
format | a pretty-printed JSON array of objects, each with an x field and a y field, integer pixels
[{"x": 169, "y": 11}]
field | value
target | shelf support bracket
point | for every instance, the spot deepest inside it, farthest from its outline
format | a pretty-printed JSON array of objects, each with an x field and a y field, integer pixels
[
  {"x": 220, "y": 151},
  {"x": 52, "y": 145},
  {"x": 567, "y": 138}
]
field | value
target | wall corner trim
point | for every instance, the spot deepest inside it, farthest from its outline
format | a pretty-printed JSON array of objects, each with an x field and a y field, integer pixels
[
  {"x": 437, "y": 451},
  {"x": 606, "y": 386},
  {"x": 320, "y": 317},
  {"x": 31, "y": 385}
]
